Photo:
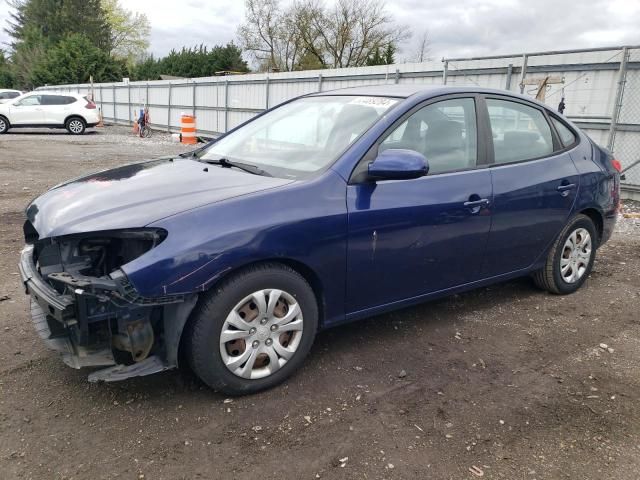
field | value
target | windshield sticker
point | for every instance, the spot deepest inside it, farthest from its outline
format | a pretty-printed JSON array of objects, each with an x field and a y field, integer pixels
[{"x": 374, "y": 101}]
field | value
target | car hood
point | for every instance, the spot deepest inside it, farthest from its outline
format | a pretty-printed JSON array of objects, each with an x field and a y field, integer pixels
[{"x": 138, "y": 194}]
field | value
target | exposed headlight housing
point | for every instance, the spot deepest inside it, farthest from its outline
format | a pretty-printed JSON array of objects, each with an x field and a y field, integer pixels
[{"x": 95, "y": 254}]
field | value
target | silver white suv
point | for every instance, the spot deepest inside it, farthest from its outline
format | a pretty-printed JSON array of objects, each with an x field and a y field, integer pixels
[{"x": 50, "y": 110}]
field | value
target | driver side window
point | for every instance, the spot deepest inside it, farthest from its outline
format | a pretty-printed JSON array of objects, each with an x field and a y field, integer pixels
[
  {"x": 444, "y": 132},
  {"x": 29, "y": 101}
]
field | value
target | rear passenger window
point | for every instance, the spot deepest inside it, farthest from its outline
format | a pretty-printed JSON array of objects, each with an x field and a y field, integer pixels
[
  {"x": 444, "y": 132},
  {"x": 566, "y": 136},
  {"x": 519, "y": 132},
  {"x": 57, "y": 100}
]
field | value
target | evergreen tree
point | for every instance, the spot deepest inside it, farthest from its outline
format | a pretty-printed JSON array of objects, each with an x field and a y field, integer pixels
[
  {"x": 192, "y": 62},
  {"x": 37, "y": 27},
  {"x": 382, "y": 57},
  {"x": 74, "y": 60},
  {"x": 54, "y": 19},
  {"x": 389, "y": 54},
  {"x": 6, "y": 75}
]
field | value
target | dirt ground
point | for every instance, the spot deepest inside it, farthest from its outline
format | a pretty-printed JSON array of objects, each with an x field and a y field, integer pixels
[{"x": 505, "y": 382}]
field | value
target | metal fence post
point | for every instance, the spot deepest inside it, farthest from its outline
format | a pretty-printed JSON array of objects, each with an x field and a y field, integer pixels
[
  {"x": 445, "y": 71},
  {"x": 169, "y": 110},
  {"x": 193, "y": 100},
  {"x": 319, "y": 82},
  {"x": 266, "y": 93},
  {"x": 146, "y": 99},
  {"x": 226, "y": 105},
  {"x": 525, "y": 60},
  {"x": 507, "y": 85},
  {"x": 129, "y": 102},
  {"x": 397, "y": 79},
  {"x": 115, "y": 117},
  {"x": 617, "y": 105}
]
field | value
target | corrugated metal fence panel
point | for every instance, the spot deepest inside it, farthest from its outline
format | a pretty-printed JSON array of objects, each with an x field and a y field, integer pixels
[
  {"x": 591, "y": 83},
  {"x": 280, "y": 92}
]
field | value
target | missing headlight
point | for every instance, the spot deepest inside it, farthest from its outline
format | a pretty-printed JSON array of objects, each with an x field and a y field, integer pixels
[
  {"x": 94, "y": 254},
  {"x": 108, "y": 251}
]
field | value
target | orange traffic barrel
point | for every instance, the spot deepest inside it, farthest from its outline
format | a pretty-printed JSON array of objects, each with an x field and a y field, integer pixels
[{"x": 188, "y": 129}]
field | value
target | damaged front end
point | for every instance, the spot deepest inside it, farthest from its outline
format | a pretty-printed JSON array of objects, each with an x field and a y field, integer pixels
[{"x": 84, "y": 306}]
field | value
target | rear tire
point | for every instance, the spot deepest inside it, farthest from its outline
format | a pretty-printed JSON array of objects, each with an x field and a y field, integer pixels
[
  {"x": 4, "y": 125},
  {"x": 253, "y": 331},
  {"x": 75, "y": 126},
  {"x": 570, "y": 260}
]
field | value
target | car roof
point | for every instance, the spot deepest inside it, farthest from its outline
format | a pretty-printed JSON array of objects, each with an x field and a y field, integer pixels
[
  {"x": 423, "y": 91},
  {"x": 9, "y": 90},
  {"x": 64, "y": 94}
]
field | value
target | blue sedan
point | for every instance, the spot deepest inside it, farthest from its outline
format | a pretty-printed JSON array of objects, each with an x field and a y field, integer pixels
[{"x": 326, "y": 209}]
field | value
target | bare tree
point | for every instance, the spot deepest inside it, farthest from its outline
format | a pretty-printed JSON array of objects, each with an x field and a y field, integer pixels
[
  {"x": 424, "y": 47},
  {"x": 310, "y": 34},
  {"x": 352, "y": 30},
  {"x": 270, "y": 35}
]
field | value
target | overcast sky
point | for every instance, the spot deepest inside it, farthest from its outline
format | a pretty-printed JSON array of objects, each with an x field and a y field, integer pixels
[{"x": 456, "y": 27}]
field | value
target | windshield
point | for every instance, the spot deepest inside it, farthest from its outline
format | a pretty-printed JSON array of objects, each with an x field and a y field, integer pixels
[{"x": 301, "y": 137}]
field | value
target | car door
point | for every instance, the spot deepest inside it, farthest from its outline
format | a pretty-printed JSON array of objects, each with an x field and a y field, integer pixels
[
  {"x": 408, "y": 238},
  {"x": 27, "y": 111},
  {"x": 56, "y": 108},
  {"x": 535, "y": 183}
]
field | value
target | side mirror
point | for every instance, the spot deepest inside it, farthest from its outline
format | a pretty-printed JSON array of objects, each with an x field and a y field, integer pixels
[{"x": 398, "y": 164}]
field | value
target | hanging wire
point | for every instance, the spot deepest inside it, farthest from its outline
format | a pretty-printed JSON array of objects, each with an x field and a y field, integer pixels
[{"x": 580, "y": 76}]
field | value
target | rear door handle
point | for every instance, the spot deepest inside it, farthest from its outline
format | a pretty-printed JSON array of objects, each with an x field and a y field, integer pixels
[{"x": 564, "y": 189}]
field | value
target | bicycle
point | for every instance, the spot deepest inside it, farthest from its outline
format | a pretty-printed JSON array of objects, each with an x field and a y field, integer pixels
[{"x": 145, "y": 131}]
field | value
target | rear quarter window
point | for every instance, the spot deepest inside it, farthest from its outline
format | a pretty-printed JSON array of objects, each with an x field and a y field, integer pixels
[{"x": 567, "y": 137}]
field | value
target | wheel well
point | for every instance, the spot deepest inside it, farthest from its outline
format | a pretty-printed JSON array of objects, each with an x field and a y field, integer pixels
[
  {"x": 74, "y": 116},
  {"x": 5, "y": 119},
  {"x": 307, "y": 273},
  {"x": 312, "y": 279},
  {"x": 596, "y": 218}
]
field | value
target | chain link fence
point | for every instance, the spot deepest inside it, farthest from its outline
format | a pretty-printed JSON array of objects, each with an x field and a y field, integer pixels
[{"x": 624, "y": 138}]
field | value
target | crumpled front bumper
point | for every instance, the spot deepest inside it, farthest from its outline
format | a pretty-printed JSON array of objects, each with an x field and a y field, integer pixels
[
  {"x": 54, "y": 314},
  {"x": 63, "y": 320}
]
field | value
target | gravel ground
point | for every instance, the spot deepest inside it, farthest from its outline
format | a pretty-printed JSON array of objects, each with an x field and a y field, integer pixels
[{"x": 505, "y": 382}]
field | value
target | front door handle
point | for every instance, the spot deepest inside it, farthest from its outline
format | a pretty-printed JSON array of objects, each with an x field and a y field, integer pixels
[{"x": 476, "y": 205}]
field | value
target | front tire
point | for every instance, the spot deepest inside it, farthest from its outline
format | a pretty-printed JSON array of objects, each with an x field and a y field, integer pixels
[
  {"x": 76, "y": 126},
  {"x": 570, "y": 259},
  {"x": 254, "y": 330},
  {"x": 4, "y": 125}
]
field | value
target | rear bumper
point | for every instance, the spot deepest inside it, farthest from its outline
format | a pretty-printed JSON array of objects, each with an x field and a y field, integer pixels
[{"x": 608, "y": 226}]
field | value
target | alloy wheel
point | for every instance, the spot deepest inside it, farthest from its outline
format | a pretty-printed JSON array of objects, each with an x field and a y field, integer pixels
[
  {"x": 76, "y": 126},
  {"x": 576, "y": 255},
  {"x": 261, "y": 333}
]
